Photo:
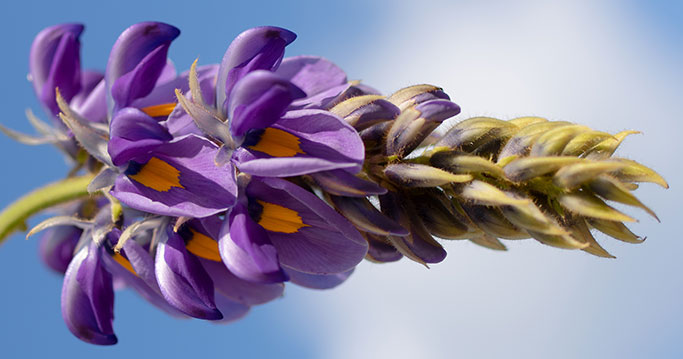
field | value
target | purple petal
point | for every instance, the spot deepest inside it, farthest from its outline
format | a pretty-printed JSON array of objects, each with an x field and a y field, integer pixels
[
  {"x": 57, "y": 246},
  {"x": 55, "y": 62},
  {"x": 92, "y": 104},
  {"x": 140, "y": 81},
  {"x": 314, "y": 281},
  {"x": 230, "y": 309},
  {"x": 312, "y": 74},
  {"x": 246, "y": 249},
  {"x": 326, "y": 143},
  {"x": 88, "y": 297},
  {"x": 133, "y": 132},
  {"x": 239, "y": 290},
  {"x": 258, "y": 100},
  {"x": 179, "y": 122},
  {"x": 183, "y": 281},
  {"x": 143, "y": 281},
  {"x": 380, "y": 250},
  {"x": 343, "y": 183},
  {"x": 129, "y": 54},
  {"x": 326, "y": 244},
  {"x": 419, "y": 246},
  {"x": 197, "y": 177},
  {"x": 259, "y": 48}
]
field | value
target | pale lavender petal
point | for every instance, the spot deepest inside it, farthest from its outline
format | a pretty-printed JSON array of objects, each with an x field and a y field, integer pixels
[
  {"x": 312, "y": 74},
  {"x": 240, "y": 290},
  {"x": 230, "y": 309},
  {"x": 315, "y": 281}
]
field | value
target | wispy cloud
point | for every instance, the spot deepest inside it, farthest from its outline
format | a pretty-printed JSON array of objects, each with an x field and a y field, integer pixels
[{"x": 575, "y": 61}]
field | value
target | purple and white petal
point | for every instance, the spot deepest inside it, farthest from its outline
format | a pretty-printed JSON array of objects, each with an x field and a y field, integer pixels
[
  {"x": 182, "y": 279},
  {"x": 246, "y": 249},
  {"x": 88, "y": 297}
]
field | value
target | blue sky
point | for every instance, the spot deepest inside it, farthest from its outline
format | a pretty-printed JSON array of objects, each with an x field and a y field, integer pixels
[{"x": 610, "y": 65}]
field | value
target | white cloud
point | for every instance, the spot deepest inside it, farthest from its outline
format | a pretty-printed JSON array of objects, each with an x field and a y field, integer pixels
[{"x": 576, "y": 61}]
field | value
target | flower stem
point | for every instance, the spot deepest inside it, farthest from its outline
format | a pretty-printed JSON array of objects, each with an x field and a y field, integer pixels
[{"x": 14, "y": 216}]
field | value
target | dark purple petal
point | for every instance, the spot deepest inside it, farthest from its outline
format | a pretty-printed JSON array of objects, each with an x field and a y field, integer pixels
[
  {"x": 88, "y": 297},
  {"x": 380, "y": 249},
  {"x": 315, "y": 281},
  {"x": 55, "y": 62},
  {"x": 258, "y": 100},
  {"x": 201, "y": 188},
  {"x": 140, "y": 50},
  {"x": 57, "y": 246},
  {"x": 259, "y": 48},
  {"x": 133, "y": 132},
  {"x": 246, "y": 249},
  {"x": 183, "y": 281},
  {"x": 312, "y": 74},
  {"x": 326, "y": 244},
  {"x": 239, "y": 290},
  {"x": 419, "y": 246},
  {"x": 140, "y": 81},
  {"x": 326, "y": 143}
]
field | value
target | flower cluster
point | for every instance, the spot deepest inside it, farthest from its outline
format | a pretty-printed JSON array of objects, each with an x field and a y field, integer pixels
[{"x": 211, "y": 188}]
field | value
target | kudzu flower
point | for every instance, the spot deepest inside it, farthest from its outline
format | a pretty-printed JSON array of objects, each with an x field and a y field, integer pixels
[{"x": 212, "y": 188}]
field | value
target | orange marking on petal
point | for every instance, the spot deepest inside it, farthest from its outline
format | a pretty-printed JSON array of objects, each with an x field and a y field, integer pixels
[
  {"x": 278, "y": 143},
  {"x": 277, "y": 218},
  {"x": 161, "y": 110},
  {"x": 158, "y": 175},
  {"x": 124, "y": 262},
  {"x": 203, "y": 246}
]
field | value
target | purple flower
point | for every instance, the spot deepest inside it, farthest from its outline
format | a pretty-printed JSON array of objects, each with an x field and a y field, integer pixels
[
  {"x": 55, "y": 62},
  {"x": 278, "y": 226},
  {"x": 57, "y": 246},
  {"x": 253, "y": 117},
  {"x": 88, "y": 297}
]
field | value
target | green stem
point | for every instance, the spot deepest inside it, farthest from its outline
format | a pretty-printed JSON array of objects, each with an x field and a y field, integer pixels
[{"x": 14, "y": 216}]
